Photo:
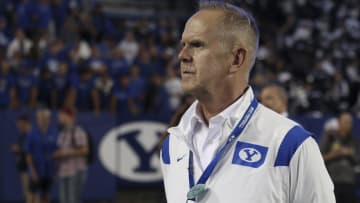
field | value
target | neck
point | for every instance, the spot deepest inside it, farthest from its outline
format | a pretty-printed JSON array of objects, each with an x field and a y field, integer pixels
[{"x": 213, "y": 105}]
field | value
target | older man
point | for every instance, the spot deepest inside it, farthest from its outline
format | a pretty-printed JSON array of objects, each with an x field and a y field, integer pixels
[{"x": 227, "y": 147}]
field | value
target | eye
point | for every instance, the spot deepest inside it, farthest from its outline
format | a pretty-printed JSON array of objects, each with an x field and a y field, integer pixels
[
  {"x": 182, "y": 44},
  {"x": 197, "y": 44}
]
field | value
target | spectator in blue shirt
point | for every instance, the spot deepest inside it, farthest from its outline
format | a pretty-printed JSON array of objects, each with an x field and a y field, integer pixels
[
  {"x": 103, "y": 25},
  {"x": 104, "y": 85},
  {"x": 22, "y": 15},
  {"x": 36, "y": 15},
  {"x": 96, "y": 60},
  {"x": 61, "y": 80},
  {"x": 40, "y": 146},
  {"x": 46, "y": 87},
  {"x": 82, "y": 92},
  {"x": 26, "y": 87},
  {"x": 147, "y": 65},
  {"x": 44, "y": 15},
  {"x": 122, "y": 102},
  {"x": 106, "y": 45},
  {"x": 137, "y": 87},
  {"x": 53, "y": 56},
  {"x": 157, "y": 98},
  {"x": 118, "y": 64},
  {"x": 7, "y": 87},
  {"x": 58, "y": 10}
]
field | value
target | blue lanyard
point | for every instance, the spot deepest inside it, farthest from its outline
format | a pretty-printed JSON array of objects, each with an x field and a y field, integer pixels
[{"x": 196, "y": 191}]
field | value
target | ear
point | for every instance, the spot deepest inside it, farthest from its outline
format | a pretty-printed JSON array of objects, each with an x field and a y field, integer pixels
[{"x": 238, "y": 59}]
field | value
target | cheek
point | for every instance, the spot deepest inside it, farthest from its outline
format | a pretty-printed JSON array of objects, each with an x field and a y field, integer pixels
[
  {"x": 278, "y": 103},
  {"x": 209, "y": 67}
]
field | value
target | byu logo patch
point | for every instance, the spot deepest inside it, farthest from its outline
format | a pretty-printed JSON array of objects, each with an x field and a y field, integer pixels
[{"x": 251, "y": 155}]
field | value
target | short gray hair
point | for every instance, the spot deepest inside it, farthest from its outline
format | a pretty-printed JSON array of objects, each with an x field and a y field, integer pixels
[{"x": 236, "y": 17}]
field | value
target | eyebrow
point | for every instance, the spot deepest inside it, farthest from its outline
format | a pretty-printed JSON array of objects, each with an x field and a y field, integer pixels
[{"x": 194, "y": 40}]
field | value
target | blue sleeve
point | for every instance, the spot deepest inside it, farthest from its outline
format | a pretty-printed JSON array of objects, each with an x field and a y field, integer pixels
[{"x": 165, "y": 151}]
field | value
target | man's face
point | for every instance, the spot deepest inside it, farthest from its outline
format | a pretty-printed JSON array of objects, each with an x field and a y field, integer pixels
[
  {"x": 271, "y": 99},
  {"x": 204, "y": 58}
]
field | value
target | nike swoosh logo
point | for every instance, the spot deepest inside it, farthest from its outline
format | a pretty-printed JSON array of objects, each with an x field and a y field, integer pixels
[{"x": 180, "y": 158}]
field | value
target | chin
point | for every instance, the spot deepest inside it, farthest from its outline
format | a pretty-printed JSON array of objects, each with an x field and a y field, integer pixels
[{"x": 188, "y": 88}]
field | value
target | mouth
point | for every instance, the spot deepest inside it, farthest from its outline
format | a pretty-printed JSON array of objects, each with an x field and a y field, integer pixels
[
  {"x": 185, "y": 71},
  {"x": 187, "y": 74}
]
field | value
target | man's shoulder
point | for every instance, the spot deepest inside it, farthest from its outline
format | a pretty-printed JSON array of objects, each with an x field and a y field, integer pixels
[
  {"x": 270, "y": 121},
  {"x": 285, "y": 134}
]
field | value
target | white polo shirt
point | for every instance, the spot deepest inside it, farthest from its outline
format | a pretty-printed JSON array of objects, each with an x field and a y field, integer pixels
[{"x": 274, "y": 160}]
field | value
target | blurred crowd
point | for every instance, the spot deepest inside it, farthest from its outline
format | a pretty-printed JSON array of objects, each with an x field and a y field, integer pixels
[
  {"x": 312, "y": 49},
  {"x": 67, "y": 53},
  {"x": 56, "y": 54}
]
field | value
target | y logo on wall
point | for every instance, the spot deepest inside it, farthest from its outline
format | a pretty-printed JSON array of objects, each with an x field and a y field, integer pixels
[{"x": 129, "y": 151}]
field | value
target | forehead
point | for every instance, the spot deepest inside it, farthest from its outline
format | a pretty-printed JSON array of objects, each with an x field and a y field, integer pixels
[{"x": 204, "y": 23}]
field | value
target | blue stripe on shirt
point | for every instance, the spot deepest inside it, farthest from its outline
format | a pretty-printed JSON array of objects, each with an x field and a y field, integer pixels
[
  {"x": 165, "y": 154},
  {"x": 291, "y": 142}
]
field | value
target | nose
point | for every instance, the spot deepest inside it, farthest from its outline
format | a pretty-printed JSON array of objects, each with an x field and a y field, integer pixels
[{"x": 184, "y": 55}]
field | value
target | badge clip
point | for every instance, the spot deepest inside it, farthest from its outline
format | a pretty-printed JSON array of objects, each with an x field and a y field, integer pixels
[{"x": 197, "y": 192}]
